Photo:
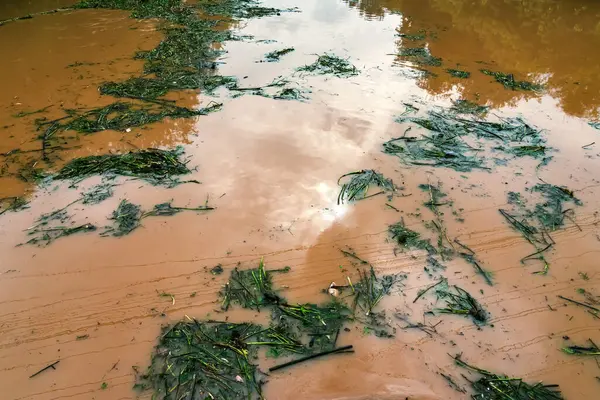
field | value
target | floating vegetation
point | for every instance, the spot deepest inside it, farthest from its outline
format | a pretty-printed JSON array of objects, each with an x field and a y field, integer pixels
[
  {"x": 468, "y": 107},
  {"x": 460, "y": 302},
  {"x": 205, "y": 360},
  {"x": 509, "y": 82},
  {"x": 367, "y": 293},
  {"x": 436, "y": 150},
  {"x": 360, "y": 182},
  {"x": 213, "y": 359},
  {"x": 457, "y": 73},
  {"x": 414, "y": 37},
  {"x": 420, "y": 56},
  {"x": 446, "y": 146},
  {"x": 14, "y": 203},
  {"x": 409, "y": 239},
  {"x": 44, "y": 236},
  {"x": 154, "y": 165},
  {"x": 128, "y": 216},
  {"x": 540, "y": 240},
  {"x": 435, "y": 201},
  {"x": 117, "y": 116},
  {"x": 592, "y": 350},
  {"x": 251, "y": 288},
  {"x": 166, "y": 209},
  {"x": 290, "y": 94},
  {"x": 98, "y": 193},
  {"x": 436, "y": 197},
  {"x": 329, "y": 64},
  {"x": 275, "y": 55},
  {"x": 469, "y": 256},
  {"x": 491, "y": 386},
  {"x": 548, "y": 215},
  {"x": 551, "y": 213}
]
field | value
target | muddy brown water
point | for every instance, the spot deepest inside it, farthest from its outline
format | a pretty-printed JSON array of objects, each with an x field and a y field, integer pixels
[{"x": 271, "y": 168}]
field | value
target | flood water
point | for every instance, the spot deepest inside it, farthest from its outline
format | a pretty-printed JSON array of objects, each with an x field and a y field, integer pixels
[{"x": 271, "y": 168}]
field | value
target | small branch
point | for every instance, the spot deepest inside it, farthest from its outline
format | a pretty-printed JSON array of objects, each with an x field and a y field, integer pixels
[
  {"x": 343, "y": 349},
  {"x": 45, "y": 368}
]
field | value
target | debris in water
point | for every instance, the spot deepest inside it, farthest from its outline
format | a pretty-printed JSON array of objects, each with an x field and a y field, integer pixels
[
  {"x": 468, "y": 107},
  {"x": 98, "y": 193},
  {"x": 415, "y": 37},
  {"x": 339, "y": 350},
  {"x": 592, "y": 350},
  {"x": 551, "y": 213},
  {"x": 460, "y": 302},
  {"x": 275, "y": 55},
  {"x": 509, "y": 82},
  {"x": 329, "y": 64},
  {"x": 409, "y": 239},
  {"x": 154, "y": 165},
  {"x": 127, "y": 217},
  {"x": 470, "y": 257},
  {"x": 457, "y": 73},
  {"x": 359, "y": 184},
  {"x": 14, "y": 203},
  {"x": 500, "y": 387},
  {"x": 420, "y": 56},
  {"x": 203, "y": 360},
  {"x": 53, "y": 366}
]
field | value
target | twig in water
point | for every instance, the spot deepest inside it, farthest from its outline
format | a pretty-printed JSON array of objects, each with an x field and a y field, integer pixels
[
  {"x": 45, "y": 368},
  {"x": 343, "y": 349},
  {"x": 579, "y": 303}
]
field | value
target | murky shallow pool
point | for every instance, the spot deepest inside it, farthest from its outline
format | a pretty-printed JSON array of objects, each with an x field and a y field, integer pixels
[{"x": 270, "y": 168}]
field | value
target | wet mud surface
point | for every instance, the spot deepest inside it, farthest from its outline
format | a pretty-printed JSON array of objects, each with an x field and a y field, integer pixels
[{"x": 270, "y": 168}]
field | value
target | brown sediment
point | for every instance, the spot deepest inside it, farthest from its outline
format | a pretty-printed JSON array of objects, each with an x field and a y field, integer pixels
[{"x": 270, "y": 168}]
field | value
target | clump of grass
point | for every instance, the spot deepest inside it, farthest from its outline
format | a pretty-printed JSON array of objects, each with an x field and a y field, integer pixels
[
  {"x": 127, "y": 218},
  {"x": 591, "y": 350},
  {"x": 98, "y": 193},
  {"x": 205, "y": 360},
  {"x": 551, "y": 213},
  {"x": 468, "y": 107},
  {"x": 446, "y": 146},
  {"x": 460, "y": 302},
  {"x": 370, "y": 289},
  {"x": 414, "y": 37},
  {"x": 491, "y": 386},
  {"x": 509, "y": 81},
  {"x": 436, "y": 198},
  {"x": 436, "y": 150},
  {"x": 329, "y": 64},
  {"x": 276, "y": 55},
  {"x": 154, "y": 165},
  {"x": 409, "y": 239},
  {"x": 251, "y": 288},
  {"x": 360, "y": 182},
  {"x": 420, "y": 56},
  {"x": 534, "y": 224},
  {"x": 290, "y": 94},
  {"x": 457, "y": 73}
]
